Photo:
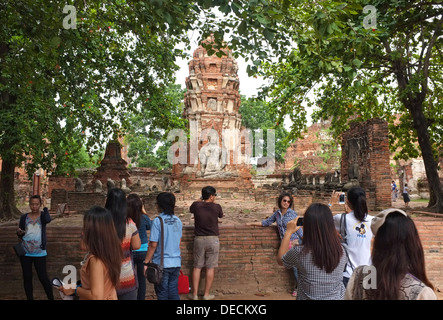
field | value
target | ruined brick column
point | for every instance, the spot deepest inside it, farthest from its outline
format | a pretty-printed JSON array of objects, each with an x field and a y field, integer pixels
[
  {"x": 365, "y": 157},
  {"x": 113, "y": 166}
]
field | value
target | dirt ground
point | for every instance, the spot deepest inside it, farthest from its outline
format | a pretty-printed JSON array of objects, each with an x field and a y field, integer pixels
[{"x": 235, "y": 212}]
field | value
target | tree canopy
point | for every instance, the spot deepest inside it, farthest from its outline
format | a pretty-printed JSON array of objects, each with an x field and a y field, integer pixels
[
  {"x": 352, "y": 61},
  {"x": 71, "y": 72},
  {"x": 258, "y": 117}
]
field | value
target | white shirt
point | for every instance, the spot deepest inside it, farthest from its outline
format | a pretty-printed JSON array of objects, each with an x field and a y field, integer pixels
[{"x": 359, "y": 236}]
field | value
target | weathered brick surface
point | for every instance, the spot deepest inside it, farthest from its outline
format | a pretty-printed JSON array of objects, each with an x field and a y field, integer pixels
[
  {"x": 430, "y": 231},
  {"x": 313, "y": 152},
  {"x": 366, "y": 146},
  {"x": 247, "y": 258}
]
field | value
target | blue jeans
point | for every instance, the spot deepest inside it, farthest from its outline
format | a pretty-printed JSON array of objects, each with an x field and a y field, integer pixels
[
  {"x": 139, "y": 257},
  {"x": 295, "y": 271},
  {"x": 168, "y": 289}
]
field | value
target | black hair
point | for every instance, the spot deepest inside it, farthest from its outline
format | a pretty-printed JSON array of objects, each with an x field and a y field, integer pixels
[
  {"x": 320, "y": 237},
  {"x": 280, "y": 198},
  {"x": 207, "y": 192},
  {"x": 397, "y": 250},
  {"x": 35, "y": 196},
  {"x": 134, "y": 205},
  {"x": 166, "y": 202},
  {"x": 357, "y": 200},
  {"x": 116, "y": 203}
]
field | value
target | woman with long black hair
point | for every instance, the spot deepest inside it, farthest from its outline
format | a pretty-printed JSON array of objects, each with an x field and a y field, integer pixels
[
  {"x": 398, "y": 262},
  {"x": 137, "y": 213},
  {"x": 320, "y": 259},
  {"x": 100, "y": 272},
  {"x": 130, "y": 240}
]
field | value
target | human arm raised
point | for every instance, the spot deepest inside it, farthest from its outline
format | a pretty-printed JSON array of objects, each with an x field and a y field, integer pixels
[{"x": 291, "y": 227}]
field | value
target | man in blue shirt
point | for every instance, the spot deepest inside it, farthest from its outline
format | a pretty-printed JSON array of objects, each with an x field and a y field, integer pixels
[{"x": 168, "y": 289}]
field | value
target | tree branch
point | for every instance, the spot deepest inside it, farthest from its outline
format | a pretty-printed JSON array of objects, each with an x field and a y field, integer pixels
[{"x": 428, "y": 56}]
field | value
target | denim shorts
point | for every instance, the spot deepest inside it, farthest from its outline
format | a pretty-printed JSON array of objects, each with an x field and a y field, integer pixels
[{"x": 206, "y": 249}]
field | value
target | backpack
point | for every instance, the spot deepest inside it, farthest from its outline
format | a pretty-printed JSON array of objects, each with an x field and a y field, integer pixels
[{"x": 344, "y": 240}]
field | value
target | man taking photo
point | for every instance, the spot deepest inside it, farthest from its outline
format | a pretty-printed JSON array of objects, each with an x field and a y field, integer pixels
[{"x": 206, "y": 242}]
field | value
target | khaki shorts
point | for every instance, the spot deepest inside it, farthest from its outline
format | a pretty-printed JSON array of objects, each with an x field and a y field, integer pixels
[{"x": 206, "y": 249}]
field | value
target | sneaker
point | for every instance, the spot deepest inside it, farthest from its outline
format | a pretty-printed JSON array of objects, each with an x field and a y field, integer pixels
[
  {"x": 208, "y": 297},
  {"x": 192, "y": 297}
]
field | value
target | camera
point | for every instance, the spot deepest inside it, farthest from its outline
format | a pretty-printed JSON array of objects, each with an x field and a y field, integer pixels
[
  {"x": 341, "y": 199},
  {"x": 300, "y": 221}
]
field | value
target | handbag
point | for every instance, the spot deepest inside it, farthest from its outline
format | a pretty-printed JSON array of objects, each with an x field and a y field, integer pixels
[
  {"x": 19, "y": 249},
  {"x": 183, "y": 283},
  {"x": 154, "y": 272}
]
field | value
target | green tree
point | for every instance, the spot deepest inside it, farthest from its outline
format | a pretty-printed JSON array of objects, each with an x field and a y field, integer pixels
[
  {"x": 70, "y": 75},
  {"x": 148, "y": 145},
  {"x": 353, "y": 61},
  {"x": 256, "y": 115},
  {"x": 78, "y": 158}
]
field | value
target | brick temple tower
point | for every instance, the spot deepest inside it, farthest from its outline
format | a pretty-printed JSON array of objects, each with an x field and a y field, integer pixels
[{"x": 218, "y": 150}]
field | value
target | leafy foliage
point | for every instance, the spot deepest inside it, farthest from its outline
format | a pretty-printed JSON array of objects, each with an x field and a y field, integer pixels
[
  {"x": 357, "y": 60},
  {"x": 346, "y": 71},
  {"x": 256, "y": 115},
  {"x": 70, "y": 78},
  {"x": 148, "y": 145},
  {"x": 63, "y": 88}
]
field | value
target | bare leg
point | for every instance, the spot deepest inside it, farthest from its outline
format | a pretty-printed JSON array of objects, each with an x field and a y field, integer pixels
[
  {"x": 209, "y": 279},
  {"x": 195, "y": 280}
]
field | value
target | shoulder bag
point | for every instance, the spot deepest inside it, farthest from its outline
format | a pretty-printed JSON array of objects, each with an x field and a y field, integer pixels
[
  {"x": 154, "y": 272},
  {"x": 19, "y": 249}
]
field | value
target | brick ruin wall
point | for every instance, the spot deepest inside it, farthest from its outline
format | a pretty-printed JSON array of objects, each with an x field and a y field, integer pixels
[
  {"x": 365, "y": 153},
  {"x": 247, "y": 258},
  {"x": 247, "y": 261}
]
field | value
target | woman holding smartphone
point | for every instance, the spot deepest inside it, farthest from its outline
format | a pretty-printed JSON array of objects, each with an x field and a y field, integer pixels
[
  {"x": 100, "y": 272},
  {"x": 320, "y": 259},
  {"x": 32, "y": 231},
  {"x": 356, "y": 222}
]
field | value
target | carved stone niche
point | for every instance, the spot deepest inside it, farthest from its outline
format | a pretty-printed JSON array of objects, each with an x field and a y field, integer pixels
[{"x": 212, "y": 104}]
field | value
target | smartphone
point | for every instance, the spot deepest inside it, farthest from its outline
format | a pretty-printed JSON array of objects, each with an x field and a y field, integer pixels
[
  {"x": 300, "y": 221},
  {"x": 57, "y": 283},
  {"x": 341, "y": 199}
]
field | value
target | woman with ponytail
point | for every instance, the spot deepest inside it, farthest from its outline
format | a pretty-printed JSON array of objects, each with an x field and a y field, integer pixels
[{"x": 356, "y": 223}]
